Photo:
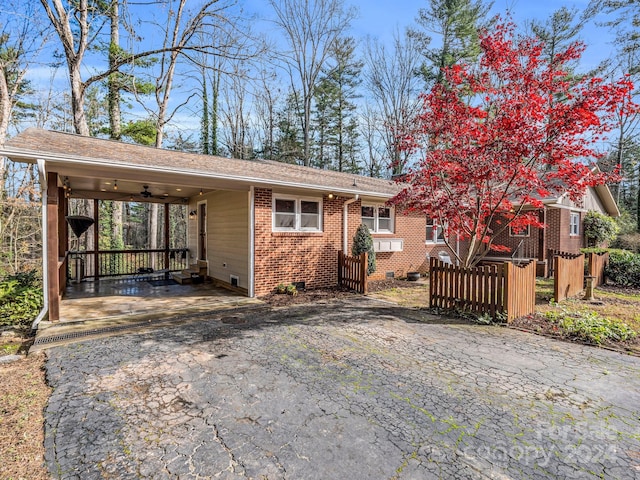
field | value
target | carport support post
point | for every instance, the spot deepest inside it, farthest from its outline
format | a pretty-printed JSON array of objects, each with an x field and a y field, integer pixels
[
  {"x": 53, "y": 277},
  {"x": 96, "y": 243},
  {"x": 166, "y": 238}
]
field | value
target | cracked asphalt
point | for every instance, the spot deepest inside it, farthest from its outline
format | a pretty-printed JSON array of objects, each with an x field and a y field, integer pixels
[{"x": 355, "y": 389}]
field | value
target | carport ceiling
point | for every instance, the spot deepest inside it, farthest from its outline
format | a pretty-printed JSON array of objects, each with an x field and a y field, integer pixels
[{"x": 128, "y": 190}]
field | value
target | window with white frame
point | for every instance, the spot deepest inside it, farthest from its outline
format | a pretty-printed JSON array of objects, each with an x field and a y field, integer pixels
[
  {"x": 435, "y": 232},
  {"x": 520, "y": 232},
  {"x": 574, "y": 223},
  {"x": 296, "y": 214},
  {"x": 378, "y": 218}
]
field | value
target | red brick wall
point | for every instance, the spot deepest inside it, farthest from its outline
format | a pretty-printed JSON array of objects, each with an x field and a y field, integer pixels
[
  {"x": 528, "y": 248},
  {"x": 413, "y": 257},
  {"x": 285, "y": 257},
  {"x": 569, "y": 243},
  {"x": 554, "y": 229}
]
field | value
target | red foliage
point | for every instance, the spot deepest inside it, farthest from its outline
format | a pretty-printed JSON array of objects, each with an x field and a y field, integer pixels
[{"x": 506, "y": 133}]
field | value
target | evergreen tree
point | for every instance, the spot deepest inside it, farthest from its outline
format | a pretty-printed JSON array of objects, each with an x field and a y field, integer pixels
[
  {"x": 559, "y": 31},
  {"x": 289, "y": 145},
  {"x": 457, "y": 23},
  {"x": 362, "y": 242},
  {"x": 337, "y": 92}
]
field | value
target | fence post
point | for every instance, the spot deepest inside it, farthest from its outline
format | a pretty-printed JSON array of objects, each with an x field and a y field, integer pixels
[{"x": 363, "y": 272}]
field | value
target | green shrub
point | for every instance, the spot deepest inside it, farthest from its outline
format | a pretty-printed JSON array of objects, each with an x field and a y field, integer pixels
[
  {"x": 20, "y": 298},
  {"x": 628, "y": 241},
  {"x": 362, "y": 242},
  {"x": 624, "y": 268},
  {"x": 599, "y": 228},
  {"x": 590, "y": 327}
]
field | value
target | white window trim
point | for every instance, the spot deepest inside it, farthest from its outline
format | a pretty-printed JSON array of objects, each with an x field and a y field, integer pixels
[
  {"x": 392, "y": 218},
  {"x": 434, "y": 238},
  {"x": 573, "y": 215},
  {"x": 524, "y": 234},
  {"x": 298, "y": 213}
]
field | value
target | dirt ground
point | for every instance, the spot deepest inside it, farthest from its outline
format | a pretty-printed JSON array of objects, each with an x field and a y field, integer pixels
[
  {"x": 23, "y": 396},
  {"x": 320, "y": 294},
  {"x": 617, "y": 303}
]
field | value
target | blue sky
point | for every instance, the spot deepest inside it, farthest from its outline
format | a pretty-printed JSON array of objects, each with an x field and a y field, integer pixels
[
  {"x": 378, "y": 18},
  {"x": 381, "y": 18}
]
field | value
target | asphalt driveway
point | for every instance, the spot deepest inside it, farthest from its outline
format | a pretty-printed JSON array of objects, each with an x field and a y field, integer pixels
[{"x": 352, "y": 390}]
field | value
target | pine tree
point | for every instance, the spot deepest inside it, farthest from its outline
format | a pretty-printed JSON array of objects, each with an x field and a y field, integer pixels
[
  {"x": 335, "y": 114},
  {"x": 289, "y": 146},
  {"x": 457, "y": 23}
]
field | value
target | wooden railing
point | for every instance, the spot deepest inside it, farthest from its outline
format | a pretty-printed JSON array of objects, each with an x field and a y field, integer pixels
[
  {"x": 352, "y": 272},
  {"x": 568, "y": 276},
  {"x": 505, "y": 290},
  {"x": 111, "y": 263}
]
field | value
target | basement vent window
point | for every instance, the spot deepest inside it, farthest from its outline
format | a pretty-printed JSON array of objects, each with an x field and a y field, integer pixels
[
  {"x": 390, "y": 275},
  {"x": 234, "y": 280},
  {"x": 299, "y": 285}
]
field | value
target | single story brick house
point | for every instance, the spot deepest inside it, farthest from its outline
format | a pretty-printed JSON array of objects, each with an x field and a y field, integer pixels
[
  {"x": 253, "y": 223},
  {"x": 564, "y": 229}
]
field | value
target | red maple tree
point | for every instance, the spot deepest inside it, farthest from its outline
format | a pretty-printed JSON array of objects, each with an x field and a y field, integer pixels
[{"x": 498, "y": 137}]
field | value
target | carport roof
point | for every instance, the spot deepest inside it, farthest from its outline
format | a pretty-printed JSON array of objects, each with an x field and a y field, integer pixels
[{"x": 71, "y": 149}]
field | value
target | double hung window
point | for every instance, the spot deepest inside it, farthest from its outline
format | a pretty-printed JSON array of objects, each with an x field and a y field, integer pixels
[{"x": 297, "y": 214}]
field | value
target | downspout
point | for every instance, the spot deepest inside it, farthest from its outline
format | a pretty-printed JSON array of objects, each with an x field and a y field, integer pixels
[
  {"x": 345, "y": 221},
  {"x": 252, "y": 239},
  {"x": 45, "y": 251}
]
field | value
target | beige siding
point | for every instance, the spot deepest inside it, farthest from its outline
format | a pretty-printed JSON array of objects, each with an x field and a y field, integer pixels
[
  {"x": 592, "y": 202},
  {"x": 227, "y": 235}
]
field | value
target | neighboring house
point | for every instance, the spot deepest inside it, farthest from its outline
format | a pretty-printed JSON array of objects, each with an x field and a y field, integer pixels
[
  {"x": 255, "y": 223},
  {"x": 564, "y": 228}
]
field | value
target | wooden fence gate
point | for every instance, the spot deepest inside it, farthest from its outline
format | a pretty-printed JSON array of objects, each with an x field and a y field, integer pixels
[
  {"x": 568, "y": 277},
  {"x": 505, "y": 289},
  {"x": 352, "y": 272},
  {"x": 597, "y": 263}
]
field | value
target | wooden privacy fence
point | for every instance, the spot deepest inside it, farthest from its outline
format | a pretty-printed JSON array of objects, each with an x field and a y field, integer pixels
[
  {"x": 597, "y": 263},
  {"x": 352, "y": 272},
  {"x": 568, "y": 277},
  {"x": 551, "y": 254},
  {"x": 496, "y": 290}
]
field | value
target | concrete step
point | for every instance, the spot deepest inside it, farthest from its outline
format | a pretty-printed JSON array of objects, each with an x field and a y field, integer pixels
[{"x": 182, "y": 277}]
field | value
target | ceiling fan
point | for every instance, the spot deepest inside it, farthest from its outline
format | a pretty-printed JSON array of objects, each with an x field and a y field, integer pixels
[{"x": 146, "y": 193}]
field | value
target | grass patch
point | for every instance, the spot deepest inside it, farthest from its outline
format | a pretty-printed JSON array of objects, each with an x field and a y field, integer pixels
[
  {"x": 590, "y": 326},
  {"x": 9, "y": 348},
  {"x": 613, "y": 318},
  {"x": 414, "y": 295}
]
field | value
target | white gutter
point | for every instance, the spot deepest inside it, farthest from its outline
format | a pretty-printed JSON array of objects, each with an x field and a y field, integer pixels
[
  {"x": 93, "y": 163},
  {"x": 45, "y": 251},
  {"x": 345, "y": 222}
]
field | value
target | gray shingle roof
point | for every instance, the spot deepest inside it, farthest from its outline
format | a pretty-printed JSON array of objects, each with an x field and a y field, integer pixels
[{"x": 33, "y": 142}]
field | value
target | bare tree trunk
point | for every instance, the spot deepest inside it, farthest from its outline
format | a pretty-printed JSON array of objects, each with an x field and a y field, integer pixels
[
  {"x": 115, "y": 117},
  {"x": 74, "y": 47},
  {"x": 5, "y": 109},
  {"x": 311, "y": 29},
  {"x": 113, "y": 84}
]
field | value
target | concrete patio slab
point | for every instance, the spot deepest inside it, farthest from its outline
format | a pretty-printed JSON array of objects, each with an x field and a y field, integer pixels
[{"x": 342, "y": 390}]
